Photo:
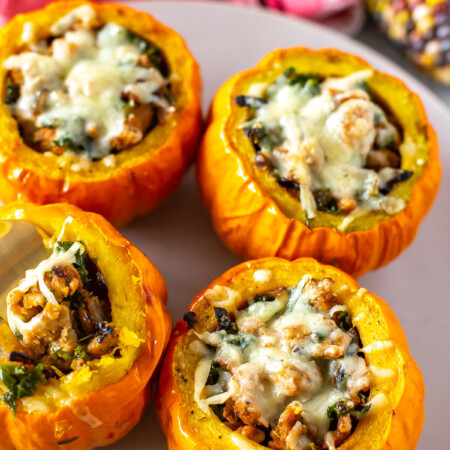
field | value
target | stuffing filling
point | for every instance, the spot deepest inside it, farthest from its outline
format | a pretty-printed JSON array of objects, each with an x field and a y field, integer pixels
[
  {"x": 287, "y": 371},
  {"x": 61, "y": 315},
  {"x": 326, "y": 142},
  {"x": 89, "y": 89}
]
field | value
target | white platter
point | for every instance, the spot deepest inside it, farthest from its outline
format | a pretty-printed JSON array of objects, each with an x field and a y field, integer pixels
[{"x": 180, "y": 241}]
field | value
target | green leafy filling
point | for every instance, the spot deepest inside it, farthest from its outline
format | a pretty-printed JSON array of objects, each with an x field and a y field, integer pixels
[
  {"x": 12, "y": 92},
  {"x": 264, "y": 298},
  {"x": 310, "y": 81},
  {"x": 80, "y": 353},
  {"x": 58, "y": 355},
  {"x": 364, "y": 87},
  {"x": 67, "y": 143},
  {"x": 343, "y": 407},
  {"x": 317, "y": 338},
  {"x": 77, "y": 300},
  {"x": 343, "y": 320},
  {"x": 80, "y": 261},
  {"x": 20, "y": 382},
  {"x": 153, "y": 52},
  {"x": 341, "y": 379},
  {"x": 325, "y": 202},
  {"x": 239, "y": 340},
  {"x": 18, "y": 335},
  {"x": 224, "y": 320}
]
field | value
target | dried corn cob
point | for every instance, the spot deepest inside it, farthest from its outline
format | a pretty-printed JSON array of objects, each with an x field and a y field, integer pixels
[{"x": 421, "y": 28}]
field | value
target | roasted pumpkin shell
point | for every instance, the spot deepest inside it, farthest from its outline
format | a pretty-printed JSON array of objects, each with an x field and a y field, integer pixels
[
  {"x": 256, "y": 217},
  {"x": 98, "y": 407},
  {"x": 397, "y": 412},
  {"x": 143, "y": 175}
]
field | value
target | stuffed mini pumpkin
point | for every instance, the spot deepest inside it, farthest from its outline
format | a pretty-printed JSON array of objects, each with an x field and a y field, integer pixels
[
  {"x": 315, "y": 153},
  {"x": 100, "y": 109},
  {"x": 83, "y": 334},
  {"x": 289, "y": 355}
]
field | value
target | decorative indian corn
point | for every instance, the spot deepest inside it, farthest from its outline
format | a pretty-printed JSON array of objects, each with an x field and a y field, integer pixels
[{"x": 421, "y": 28}]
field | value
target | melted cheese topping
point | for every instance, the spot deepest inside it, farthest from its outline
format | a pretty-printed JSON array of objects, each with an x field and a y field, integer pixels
[
  {"x": 36, "y": 276},
  {"x": 96, "y": 373},
  {"x": 284, "y": 349},
  {"x": 83, "y": 81},
  {"x": 319, "y": 136}
]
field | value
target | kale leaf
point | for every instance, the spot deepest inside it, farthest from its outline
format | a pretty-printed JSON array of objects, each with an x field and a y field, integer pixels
[
  {"x": 77, "y": 300},
  {"x": 309, "y": 80},
  {"x": 239, "y": 340},
  {"x": 343, "y": 320},
  {"x": 358, "y": 412},
  {"x": 20, "y": 382},
  {"x": 326, "y": 202},
  {"x": 338, "y": 409},
  {"x": 80, "y": 353},
  {"x": 341, "y": 378},
  {"x": 152, "y": 51},
  {"x": 80, "y": 259},
  {"x": 343, "y": 407},
  {"x": 250, "y": 101},
  {"x": 67, "y": 143},
  {"x": 264, "y": 298},
  {"x": 364, "y": 87},
  {"x": 224, "y": 321},
  {"x": 12, "y": 92}
]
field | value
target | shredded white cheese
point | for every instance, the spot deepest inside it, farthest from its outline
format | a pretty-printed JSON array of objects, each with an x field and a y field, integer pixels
[
  {"x": 377, "y": 346},
  {"x": 221, "y": 296},
  {"x": 77, "y": 88},
  {"x": 36, "y": 276},
  {"x": 320, "y": 136},
  {"x": 284, "y": 349},
  {"x": 200, "y": 378},
  {"x": 262, "y": 275},
  {"x": 380, "y": 374}
]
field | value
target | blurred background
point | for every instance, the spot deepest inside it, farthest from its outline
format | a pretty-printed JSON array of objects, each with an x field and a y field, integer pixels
[{"x": 413, "y": 33}]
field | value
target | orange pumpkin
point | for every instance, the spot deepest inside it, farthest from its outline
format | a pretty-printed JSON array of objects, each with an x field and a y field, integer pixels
[
  {"x": 256, "y": 217},
  {"x": 91, "y": 408},
  {"x": 396, "y": 416},
  {"x": 143, "y": 175}
]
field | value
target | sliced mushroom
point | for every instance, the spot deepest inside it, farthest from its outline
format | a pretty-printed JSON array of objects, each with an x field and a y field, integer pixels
[
  {"x": 389, "y": 177},
  {"x": 252, "y": 102}
]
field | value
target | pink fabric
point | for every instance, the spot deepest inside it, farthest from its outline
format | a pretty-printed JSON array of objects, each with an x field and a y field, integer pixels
[
  {"x": 306, "y": 8},
  {"x": 317, "y": 9},
  {"x": 9, "y": 8}
]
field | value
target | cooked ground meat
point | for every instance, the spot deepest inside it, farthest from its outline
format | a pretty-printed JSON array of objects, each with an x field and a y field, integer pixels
[
  {"x": 320, "y": 293},
  {"x": 293, "y": 367},
  {"x": 247, "y": 381},
  {"x": 52, "y": 331},
  {"x": 102, "y": 345},
  {"x": 252, "y": 433},
  {"x": 289, "y": 428},
  {"x": 88, "y": 88}
]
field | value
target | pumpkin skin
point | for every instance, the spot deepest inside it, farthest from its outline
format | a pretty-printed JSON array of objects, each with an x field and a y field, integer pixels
[
  {"x": 145, "y": 174},
  {"x": 132, "y": 280},
  {"x": 255, "y": 217},
  {"x": 392, "y": 424}
]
